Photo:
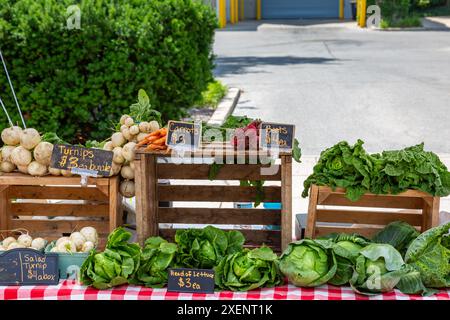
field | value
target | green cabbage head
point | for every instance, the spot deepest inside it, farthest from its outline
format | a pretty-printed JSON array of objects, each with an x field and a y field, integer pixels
[{"x": 309, "y": 263}]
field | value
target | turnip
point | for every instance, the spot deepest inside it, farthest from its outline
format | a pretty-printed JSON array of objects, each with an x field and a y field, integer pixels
[
  {"x": 25, "y": 239},
  {"x": 123, "y": 118},
  {"x": 54, "y": 250},
  {"x": 11, "y": 136},
  {"x": 144, "y": 127},
  {"x": 6, "y": 153},
  {"x": 108, "y": 146},
  {"x": 90, "y": 234},
  {"x": 118, "y": 139},
  {"x": 8, "y": 241},
  {"x": 30, "y": 138},
  {"x": 78, "y": 239},
  {"x": 36, "y": 169},
  {"x": 15, "y": 245},
  {"x": 66, "y": 173},
  {"x": 127, "y": 172},
  {"x": 127, "y": 188},
  {"x": 61, "y": 240},
  {"x": 21, "y": 156},
  {"x": 38, "y": 243},
  {"x": 43, "y": 153},
  {"x": 128, "y": 151},
  {"x": 134, "y": 130},
  {"x": 118, "y": 157},
  {"x": 141, "y": 136},
  {"x": 123, "y": 127},
  {"x": 2, "y": 248},
  {"x": 115, "y": 169},
  {"x": 154, "y": 125},
  {"x": 23, "y": 169},
  {"x": 67, "y": 246},
  {"x": 134, "y": 139},
  {"x": 127, "y": 135},
  {"x": 7, "y": 166},
  {"x": 54, "y": 172},
  {"x": 131, "y": 164},
  {"x": 129, "y": 121},
  {"x": 87, "y": 246}
]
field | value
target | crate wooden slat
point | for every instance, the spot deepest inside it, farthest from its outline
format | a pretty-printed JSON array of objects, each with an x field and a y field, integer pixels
[
  {"x": 149, "y": 193},
  {"x": 419, "y": 209},
  {"x": 24, "y": 203}
]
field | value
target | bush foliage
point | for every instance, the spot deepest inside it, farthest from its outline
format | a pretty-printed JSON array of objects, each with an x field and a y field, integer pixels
[{"x": 78, "y": 81}]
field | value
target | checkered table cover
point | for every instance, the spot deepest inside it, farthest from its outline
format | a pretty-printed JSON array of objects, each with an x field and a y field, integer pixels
[{"x": 70, "y": 290}]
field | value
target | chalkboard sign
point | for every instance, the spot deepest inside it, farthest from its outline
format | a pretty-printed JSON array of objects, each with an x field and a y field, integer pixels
[
  {"x": 191, "y": 280},
  {"x": 28, "y": 267},
  {"x": 82, "y": 161},
  {"x": 276, "y": 135},
  {"x": 184, "y": 135}
]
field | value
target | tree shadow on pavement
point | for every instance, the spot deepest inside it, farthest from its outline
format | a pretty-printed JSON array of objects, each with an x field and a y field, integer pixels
[{"x": 244, "y": 64}]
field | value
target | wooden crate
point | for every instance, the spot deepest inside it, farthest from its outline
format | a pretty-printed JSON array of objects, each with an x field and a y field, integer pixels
[
  {"x": 150, "y": 193},
  {"x": 24, "y": 203},
  {"x": 415, "y": 207}
]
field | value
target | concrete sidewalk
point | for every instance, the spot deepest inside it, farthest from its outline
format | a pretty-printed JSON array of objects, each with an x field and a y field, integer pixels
[{"x": 436, "y": 23}]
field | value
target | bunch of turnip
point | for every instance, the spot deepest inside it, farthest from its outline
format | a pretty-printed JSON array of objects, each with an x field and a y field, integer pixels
[
  {"x": 25, "y": 151},
  {"x": 23, "y": 241},
  {"x": 123, "y": 145},
  {"x": 83, "y": 241}
]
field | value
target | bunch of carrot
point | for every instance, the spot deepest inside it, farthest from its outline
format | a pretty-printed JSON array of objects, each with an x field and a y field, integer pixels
[{"x": 155, "y": 140}]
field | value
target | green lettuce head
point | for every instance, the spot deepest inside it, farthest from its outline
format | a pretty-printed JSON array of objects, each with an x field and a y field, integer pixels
[
  {"x": 248, "y": 270},
  {"x": 379, "y": 268},
  {"x": 398, "y": 234},
  {"x": 309, "y": 263}
]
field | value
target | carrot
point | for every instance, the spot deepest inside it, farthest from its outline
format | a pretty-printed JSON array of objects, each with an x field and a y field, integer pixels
[
  {"x": 155, "y": 147},
  {"x": 148, "y": 140},
  {"x": 160, "y": 141},
  {"x": 160, "y": 132}
]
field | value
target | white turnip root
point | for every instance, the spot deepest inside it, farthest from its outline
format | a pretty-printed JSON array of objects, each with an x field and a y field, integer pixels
[
  {"x": 43, "y": 153},
  {"x": 54, "y": 172},
  {"x": 141, "y": 136},
  {"x": 128, "y": 151},
  {"x": 6, "y": 153},
  {"x": 11, "y": 136},
  {"x": 144, "y": 127},
  {"x": 36, "y": 169},
  {"x": 126, "y": 134},
  {"x": 127, "y": 172},
  {"x": 21, "y": 156},
  {"x": 127, "y": 188},
  {"x": 78, "y": 239},
  {"x": 118, "y": 157},
  {"x": 7, "y": 166},
  {"x": 66, "y": 173},
  {"x": 134, "y": 130},
  {"x": 15, "y": 245},
  {"x": 123, "y": 127},
  {"x": 90, "y": 234},
  {"x": 67, "y": 246},
  {"x": 129, "y": 121},
  {"x": 131, "y": 164},
  {"x": 154, "y": 125},
  {"x": 23, "y": 169},
  {"x": 115, "y": 169},
  {"x": 8, "y": 241},
  {"x": 38, "y": 243},
  {"x": 118, "y": 139},
  {"x": 30, "y": 138},
  {"x": 61, "y": 240},
  {"x": 87, "y": 246},
  {"x": 108, "y": 146},
  {"x": 25, "y": 240},
  {"x": 123, "y": 118}
]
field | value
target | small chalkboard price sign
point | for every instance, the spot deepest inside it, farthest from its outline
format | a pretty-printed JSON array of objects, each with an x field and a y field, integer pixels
[
  {"x": 82, "y": 161},
  {"x": 28, "y": 267},
  {"x": 191, "y": 280},
  {"x": 184, "y": 135},
  {"x": 276, "y": 135}
]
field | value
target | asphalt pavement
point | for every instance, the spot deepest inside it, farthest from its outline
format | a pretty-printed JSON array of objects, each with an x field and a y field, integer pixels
[{"x": 336, "y": 82}]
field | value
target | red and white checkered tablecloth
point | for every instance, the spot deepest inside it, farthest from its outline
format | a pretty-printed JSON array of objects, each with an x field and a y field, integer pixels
[{"x": 69, "y": 290}]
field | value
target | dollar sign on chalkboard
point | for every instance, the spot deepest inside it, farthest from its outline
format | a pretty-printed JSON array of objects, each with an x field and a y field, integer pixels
[{"x": 180, "y": 282}]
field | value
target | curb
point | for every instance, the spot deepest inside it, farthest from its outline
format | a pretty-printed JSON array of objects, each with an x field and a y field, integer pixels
[{"x": 225, "y": 107}]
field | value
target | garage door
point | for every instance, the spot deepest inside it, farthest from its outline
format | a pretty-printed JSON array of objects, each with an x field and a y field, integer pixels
[{"x": 296, "y": 9}]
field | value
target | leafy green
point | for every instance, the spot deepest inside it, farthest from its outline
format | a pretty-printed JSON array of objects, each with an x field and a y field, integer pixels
[
  {"x": 398, "y": 234},
  {"x": 157, "y": 256},
  {"x": 115, "y": 266},
  {"x": 379, "y": 268},
  {"x": 259, "y": 185},
  {"x": 52, "y": 137},
  {"x": 296, "y": 151},
  {"x": 95, "y": 144},
  {"x": 213, "y": 94},
  {"x": 429, "y": 254},
  {"x": 346, "y": 248},
  {"x": 248, "y": 270},
  {"x": 309, "y": 263},
  {"x": 352, "y": 168},
  {"x": 142, "y": 110},
  {"x": 205, "y": 248}
]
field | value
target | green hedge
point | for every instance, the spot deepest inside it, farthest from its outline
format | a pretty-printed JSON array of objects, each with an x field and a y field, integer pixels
[{"x": 77, "y": 82}]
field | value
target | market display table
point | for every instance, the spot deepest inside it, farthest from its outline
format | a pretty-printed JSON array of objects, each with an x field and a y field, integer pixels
[{"x": 69, "y": 290}]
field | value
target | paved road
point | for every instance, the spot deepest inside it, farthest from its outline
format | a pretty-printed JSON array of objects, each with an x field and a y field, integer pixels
[{"x": 336, "y": 82}]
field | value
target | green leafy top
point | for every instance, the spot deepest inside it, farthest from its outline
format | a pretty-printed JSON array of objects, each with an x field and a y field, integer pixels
[
  {"x": 399, "y": 234},
  {"x": 142, "y": 110}
]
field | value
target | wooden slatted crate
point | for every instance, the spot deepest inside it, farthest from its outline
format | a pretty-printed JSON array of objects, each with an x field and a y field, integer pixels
[
  {"x": 25, "y": 202},
  {"x": 330, "y": 211},
  {"x": 197, "y": 188}
]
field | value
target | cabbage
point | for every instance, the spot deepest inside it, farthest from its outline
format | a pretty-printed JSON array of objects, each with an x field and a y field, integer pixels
[
  {"x": 157, "y": 256},
  {"x": 309, "y": 263},
  {"x": 430, "y": 254},
  {"x": 248, "y": 270},
  {"x": 398, "y": 234}
]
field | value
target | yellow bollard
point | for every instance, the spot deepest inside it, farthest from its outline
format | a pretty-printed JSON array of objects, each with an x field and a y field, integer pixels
[
  {"x": 362, "y": 13},
  {"x": 222, "y": 14},
  {"x": 341, "y": 9},
  {"x": 241, "y": 7},
  {"x": 258, "y": 9}
]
